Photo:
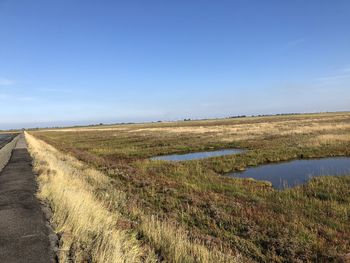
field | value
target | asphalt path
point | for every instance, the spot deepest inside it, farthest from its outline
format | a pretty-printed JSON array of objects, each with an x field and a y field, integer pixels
[{"x": 24, "y": 231}]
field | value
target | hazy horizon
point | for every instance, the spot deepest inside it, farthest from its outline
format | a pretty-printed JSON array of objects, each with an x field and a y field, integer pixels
[
  {"x": 62, "y": 124},
  {"x": 83, "y": 62}
]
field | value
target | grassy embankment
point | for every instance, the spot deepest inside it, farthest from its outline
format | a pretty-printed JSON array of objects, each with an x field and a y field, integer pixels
[
  {"x": 94, "y": 218},
  {"x": 307, "y": 223},
  {"x": 5, "y": 152}
]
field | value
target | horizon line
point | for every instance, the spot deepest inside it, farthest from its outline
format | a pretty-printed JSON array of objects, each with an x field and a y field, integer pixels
[{"x": 170, "y": 121}]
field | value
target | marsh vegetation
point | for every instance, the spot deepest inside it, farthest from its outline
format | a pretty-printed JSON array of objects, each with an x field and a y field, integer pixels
[{"x": 189, "y": 212}]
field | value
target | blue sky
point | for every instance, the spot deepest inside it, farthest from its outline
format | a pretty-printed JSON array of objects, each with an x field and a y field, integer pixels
[{"x": 69, "y": 62}]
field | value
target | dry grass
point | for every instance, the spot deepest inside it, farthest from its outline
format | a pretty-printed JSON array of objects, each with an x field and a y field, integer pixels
[
  {"x": 232, "y": 130},
  {"x": 88, "y": 218},
  {"x": 247, "y": 131},
  {"x": 335, "y": 137},
  {"x": 89, "y": 230},
  {"x": 5, "y": 152}
]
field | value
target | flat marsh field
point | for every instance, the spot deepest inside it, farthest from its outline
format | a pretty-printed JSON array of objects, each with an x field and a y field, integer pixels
[{"x": 241, "y": 219}]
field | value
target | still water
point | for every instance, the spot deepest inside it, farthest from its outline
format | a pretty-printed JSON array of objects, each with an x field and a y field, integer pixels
[
  {"x": 5, "y": 138},
  {"x": 293, "y": 173},
  {"x": 197, "y": 155}
]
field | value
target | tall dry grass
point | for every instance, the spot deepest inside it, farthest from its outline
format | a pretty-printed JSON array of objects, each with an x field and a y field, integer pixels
[
  {"x": 86, "y": 210},
  {"x": 89, "y": 230},
  {"x": 5, "y": 152}
]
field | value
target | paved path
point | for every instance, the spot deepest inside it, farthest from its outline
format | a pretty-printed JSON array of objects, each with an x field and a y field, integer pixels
[{"x": 24, "y": 235}]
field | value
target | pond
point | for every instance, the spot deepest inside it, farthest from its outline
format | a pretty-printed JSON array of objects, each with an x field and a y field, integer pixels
[
  {"x": 197, "y": 155},
  {"x": 293, "y": 173},
  {"x": 5, "y": 138}
]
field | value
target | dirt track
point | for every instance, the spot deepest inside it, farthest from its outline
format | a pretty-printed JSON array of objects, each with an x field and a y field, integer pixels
[{"x": 24, "y": 234}]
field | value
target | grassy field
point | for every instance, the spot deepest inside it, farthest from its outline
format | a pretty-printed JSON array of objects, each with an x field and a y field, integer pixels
[{"x": 189, "y": 212}]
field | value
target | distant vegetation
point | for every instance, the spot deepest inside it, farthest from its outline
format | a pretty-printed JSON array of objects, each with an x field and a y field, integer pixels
[{"x": 188, "y": 211}]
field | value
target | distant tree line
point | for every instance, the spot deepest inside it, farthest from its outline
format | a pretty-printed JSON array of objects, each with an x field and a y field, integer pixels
[
  {"x": 237, "y": 116},
  {"x": 185, "y": 119}
]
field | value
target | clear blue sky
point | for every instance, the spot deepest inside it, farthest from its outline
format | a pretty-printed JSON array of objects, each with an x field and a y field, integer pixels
[{"x": 73, "y": 62}]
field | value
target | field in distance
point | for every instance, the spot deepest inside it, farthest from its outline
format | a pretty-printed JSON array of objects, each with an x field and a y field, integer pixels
[{"x": 245, "y": 220}]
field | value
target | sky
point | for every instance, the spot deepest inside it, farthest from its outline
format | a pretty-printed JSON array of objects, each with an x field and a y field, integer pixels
[{"x": 67, "y": 62}]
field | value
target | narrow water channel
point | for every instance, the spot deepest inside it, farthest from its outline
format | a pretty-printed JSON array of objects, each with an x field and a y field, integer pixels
[{"x": 197, "y": 155}]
